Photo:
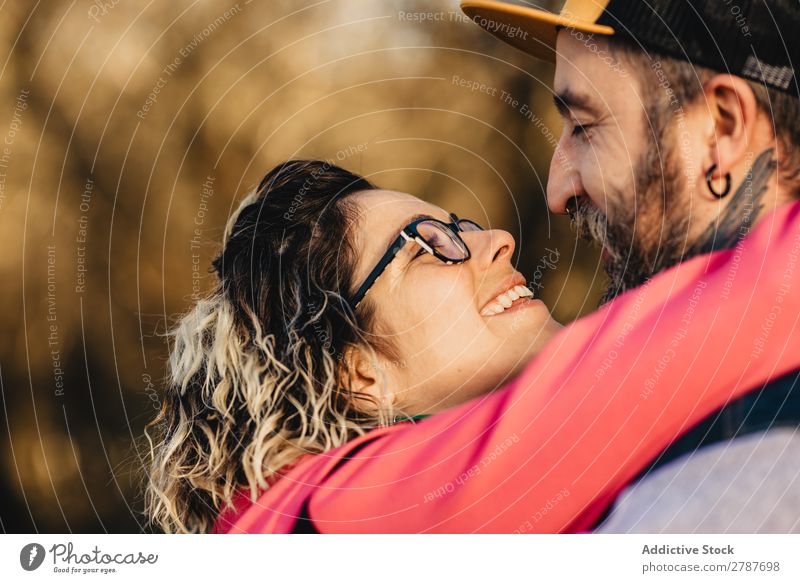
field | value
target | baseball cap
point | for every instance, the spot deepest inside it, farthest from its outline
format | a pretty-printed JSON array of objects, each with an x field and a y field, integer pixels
[{"x": 753, "y": 39}]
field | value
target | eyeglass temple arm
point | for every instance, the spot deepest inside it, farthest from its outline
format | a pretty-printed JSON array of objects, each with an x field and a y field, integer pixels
[{"x": 394, "y": 249}]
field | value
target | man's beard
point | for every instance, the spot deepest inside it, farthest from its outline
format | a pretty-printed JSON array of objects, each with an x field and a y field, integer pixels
[{"x": 648, "y": 233}]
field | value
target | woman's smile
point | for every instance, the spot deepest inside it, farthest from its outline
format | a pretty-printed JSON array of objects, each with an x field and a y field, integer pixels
[
  {"x": 517, "y": 305},
  {"x": 511, "y": 294}
]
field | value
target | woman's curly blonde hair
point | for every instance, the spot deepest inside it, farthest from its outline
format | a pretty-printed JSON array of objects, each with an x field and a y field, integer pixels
[{"x": 256, "y": 370}]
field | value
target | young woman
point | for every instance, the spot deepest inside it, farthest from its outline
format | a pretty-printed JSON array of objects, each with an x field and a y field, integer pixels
[{"x": 345, "y": 313}]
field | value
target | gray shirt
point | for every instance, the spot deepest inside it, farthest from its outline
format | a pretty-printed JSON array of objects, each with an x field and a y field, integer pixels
[{"x": 750, "y": 484}]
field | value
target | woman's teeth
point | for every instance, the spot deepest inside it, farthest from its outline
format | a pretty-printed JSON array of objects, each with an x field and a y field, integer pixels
[{"x": 502, "y": 302}]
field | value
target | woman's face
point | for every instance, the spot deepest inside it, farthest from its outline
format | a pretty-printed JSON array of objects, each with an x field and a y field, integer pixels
[{"x": 443, "y": 319}]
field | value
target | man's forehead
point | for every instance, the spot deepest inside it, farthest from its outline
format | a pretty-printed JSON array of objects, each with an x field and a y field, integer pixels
[
  {"x": 588, "y": 75},
  {"x": 579, "y": 46}
]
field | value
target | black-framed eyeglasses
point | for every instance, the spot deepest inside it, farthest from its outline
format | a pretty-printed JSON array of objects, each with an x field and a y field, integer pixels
[{"x": 436, "y": 237}]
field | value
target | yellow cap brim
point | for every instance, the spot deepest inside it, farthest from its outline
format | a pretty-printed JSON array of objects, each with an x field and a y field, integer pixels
[{"x": 528, "y": 29}]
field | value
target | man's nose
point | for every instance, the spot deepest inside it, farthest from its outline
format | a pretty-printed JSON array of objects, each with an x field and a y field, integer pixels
[{"x": 563, "y": 184}]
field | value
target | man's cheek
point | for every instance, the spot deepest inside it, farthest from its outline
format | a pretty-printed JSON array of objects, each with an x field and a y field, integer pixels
[
  {"x": 618, "y": 192},
  {"x": 597, "y": 188}
]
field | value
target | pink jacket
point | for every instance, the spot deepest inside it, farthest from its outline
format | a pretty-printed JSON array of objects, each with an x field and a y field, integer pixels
[{"x": 552, "y": 449}]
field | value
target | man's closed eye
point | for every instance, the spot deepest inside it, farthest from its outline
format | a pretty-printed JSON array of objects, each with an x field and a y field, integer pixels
[{"x": 581, "y": 130}]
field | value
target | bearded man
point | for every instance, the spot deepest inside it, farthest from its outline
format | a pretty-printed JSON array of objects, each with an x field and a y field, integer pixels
[{"x": 681, "y": 134}]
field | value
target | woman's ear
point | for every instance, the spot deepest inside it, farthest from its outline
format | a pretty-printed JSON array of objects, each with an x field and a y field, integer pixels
[
  {"x": 366, "y": 377},
  {"x": 733, "y": 111}
]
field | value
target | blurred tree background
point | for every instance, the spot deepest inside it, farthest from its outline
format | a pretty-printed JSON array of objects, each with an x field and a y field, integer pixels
[{"x": 131, "y": 129}]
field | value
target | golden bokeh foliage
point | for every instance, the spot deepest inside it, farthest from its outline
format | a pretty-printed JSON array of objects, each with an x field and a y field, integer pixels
[{"x": 129, "y": 132}]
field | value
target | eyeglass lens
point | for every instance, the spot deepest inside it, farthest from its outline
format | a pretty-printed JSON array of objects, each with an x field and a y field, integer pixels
[{"x": 444, "y": 240}]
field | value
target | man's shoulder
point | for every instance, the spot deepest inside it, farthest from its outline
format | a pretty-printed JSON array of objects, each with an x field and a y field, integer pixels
[{"x": 743, "y": 485}]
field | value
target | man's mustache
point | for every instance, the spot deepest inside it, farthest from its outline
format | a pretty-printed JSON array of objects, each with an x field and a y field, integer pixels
[{"x": 591, "y": 224}]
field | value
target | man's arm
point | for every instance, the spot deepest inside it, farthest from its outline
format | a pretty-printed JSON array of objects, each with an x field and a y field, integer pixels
[{"x": 603, "y": 399}]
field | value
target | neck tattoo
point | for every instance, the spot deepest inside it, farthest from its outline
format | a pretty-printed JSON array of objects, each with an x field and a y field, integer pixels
[{"x": 743, "y": 208}]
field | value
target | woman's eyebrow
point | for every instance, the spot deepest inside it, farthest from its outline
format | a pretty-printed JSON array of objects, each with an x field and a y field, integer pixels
[
  {"x": 415, "y": 217},
  {"x": 403, "y": 225}
]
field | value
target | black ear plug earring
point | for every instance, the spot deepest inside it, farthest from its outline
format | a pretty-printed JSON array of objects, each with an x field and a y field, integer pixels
[{"x": 727, "y": 190}]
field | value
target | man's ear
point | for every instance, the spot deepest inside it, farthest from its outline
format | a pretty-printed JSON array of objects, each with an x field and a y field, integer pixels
[
  {"x": 733, "y": 111},
  {"x": 365, "y": 378}
]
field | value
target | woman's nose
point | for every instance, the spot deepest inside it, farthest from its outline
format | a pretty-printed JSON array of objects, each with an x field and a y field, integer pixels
[{"x": 490, "y": 246}]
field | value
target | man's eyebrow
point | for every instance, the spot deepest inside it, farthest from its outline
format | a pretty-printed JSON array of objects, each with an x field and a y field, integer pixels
[{"x": 568, "y": 101}]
